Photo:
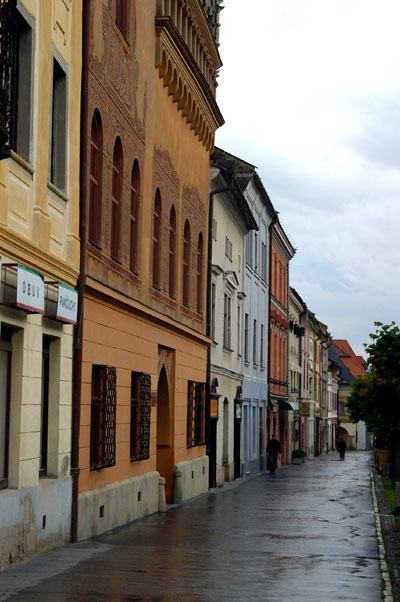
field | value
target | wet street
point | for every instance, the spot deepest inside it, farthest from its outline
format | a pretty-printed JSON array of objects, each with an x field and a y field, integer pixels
[{"x": 306, "y": 534}]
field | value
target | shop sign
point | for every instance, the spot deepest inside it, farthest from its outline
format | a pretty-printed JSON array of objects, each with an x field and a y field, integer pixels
[
  {"x": 30, "y": 290},
  {"x": 67, "y": 304},
  {"x": 304, "y": 408}
]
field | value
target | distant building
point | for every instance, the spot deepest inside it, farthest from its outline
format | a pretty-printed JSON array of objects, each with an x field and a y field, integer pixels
[{"x": 351, "y": 367}]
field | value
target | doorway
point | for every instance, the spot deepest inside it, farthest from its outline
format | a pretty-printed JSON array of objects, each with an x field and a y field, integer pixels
[{"x": 165, "y": 456}]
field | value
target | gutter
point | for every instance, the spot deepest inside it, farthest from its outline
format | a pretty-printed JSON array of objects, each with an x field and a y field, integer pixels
[{"x": 77, "y": 349}]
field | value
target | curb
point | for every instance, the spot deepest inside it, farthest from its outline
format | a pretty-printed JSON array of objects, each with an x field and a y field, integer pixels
[{"x": 387, "y": 592}]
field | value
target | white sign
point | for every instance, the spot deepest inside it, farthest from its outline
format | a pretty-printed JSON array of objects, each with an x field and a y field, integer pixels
[
  {"x": 30, "y": 290},
  {"x": 67, "y": 304}
]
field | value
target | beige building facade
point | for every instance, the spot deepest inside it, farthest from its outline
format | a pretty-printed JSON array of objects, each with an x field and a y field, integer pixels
[{"x": 39, "y": 248}]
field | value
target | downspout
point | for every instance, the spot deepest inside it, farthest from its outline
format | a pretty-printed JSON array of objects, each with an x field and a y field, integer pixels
[
  {"x": 271, "y": 225},
  {"x": 77, "y": 355}
]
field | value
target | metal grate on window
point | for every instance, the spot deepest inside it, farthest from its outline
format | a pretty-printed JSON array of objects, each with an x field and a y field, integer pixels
[
  {"x": 140, "y": 416},
  {"x": 8, "y": 68},
  {"x": 103, "y": 417},
  {"x": 196, "y": 414}
]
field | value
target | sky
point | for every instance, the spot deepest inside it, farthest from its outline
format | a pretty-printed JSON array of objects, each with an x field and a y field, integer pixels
[{"x": 310, "y": 94}]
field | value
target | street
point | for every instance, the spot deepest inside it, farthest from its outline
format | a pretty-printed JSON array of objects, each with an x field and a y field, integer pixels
[{"x": 306, "y": 534}]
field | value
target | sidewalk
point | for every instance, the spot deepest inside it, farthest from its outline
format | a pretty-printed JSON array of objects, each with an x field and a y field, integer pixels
[{"x": 390, "y": 532}]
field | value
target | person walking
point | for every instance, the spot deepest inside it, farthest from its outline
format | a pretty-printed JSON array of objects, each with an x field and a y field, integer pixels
[
  {"x": 341, "y": 447},
  {"x": 273, "y": 451}
]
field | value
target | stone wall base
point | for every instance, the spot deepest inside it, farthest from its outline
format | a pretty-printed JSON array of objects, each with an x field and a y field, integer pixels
[
  {"x": 117, "y": 504},
  {"x": 34, "y": 519},
  {"x": 190, "y": 479}
]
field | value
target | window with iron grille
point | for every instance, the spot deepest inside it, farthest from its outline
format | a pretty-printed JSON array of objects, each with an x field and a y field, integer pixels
[
  {"x": 121, "y": 18},
  {"x": 156, "y": 239},
  {"x": 103, "y": 417},
  {"x": 140, "y": 416},
  {"x": 186, "y": 263},
  {"x": 172, "y": 252},
  {"x": 135, "y": 180},
  {"x": 115, "y": 198},
  {"x": 16, "y": 55},
  {"x": 95, "y": 177},
  {"x": 196, "y": 414}
]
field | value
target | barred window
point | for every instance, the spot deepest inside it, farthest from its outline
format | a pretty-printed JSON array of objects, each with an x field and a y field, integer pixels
[
  {"x": 103, "y": 415},
  {"x": 140, "y": 416},
  {"x": 196, "y": 414}
]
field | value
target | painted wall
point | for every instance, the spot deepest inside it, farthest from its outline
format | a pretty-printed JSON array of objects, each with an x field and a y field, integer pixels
[{"x": 39, "y": 229}]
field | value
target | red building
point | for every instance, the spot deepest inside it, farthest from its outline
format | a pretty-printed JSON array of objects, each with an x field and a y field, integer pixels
[{"x": 281, "y": 252}]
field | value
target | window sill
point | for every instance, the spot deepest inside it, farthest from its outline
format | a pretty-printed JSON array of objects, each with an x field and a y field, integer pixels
[
  {"x": 116, "y": 260},
  {"x": 57, "y": 191},
  {"x": 95, "y": 244},
  {"x": 227, "y": 350},
  {"x": 22, "y": 162}
]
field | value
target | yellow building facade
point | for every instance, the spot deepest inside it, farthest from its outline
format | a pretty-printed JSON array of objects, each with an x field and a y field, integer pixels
[
  {"x": 40, "y": 54},
  {"x": 150, "y": 73}
]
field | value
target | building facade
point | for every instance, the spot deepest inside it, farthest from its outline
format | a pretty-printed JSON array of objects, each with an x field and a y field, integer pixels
[
  {"x": 255, "y": 343},
  {"x": 282, "y": 251},
  {"x": 149, "y": 119},
  {"x": 232, "y": 219},
  {"x": 296, "y": 343},
  {"x": 40, "y": 61}
]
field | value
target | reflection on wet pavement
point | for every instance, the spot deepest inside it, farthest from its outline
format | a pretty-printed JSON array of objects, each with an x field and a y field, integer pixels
[{"x": 306, "y": 535}]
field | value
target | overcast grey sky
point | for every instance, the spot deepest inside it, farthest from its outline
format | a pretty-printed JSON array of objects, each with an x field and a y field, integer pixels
[{"x": 310, "y": 93}]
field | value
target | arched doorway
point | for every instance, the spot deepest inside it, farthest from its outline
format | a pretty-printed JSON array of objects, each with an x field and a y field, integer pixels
[
  {"x": 165, "y": 456},
  {"x": 343, "y": 434}
]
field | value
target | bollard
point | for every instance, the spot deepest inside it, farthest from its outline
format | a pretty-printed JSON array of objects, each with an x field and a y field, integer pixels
[
  {"x": 177, "y": 495},
  {"x": 162, "y": 506}
]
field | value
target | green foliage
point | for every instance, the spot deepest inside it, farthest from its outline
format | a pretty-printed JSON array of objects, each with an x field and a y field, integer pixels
[
  {"x": 298, "y": 453},
  {"x": 375, "y": 399}
]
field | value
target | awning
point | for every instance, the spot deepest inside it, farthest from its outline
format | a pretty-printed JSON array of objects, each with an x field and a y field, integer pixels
[{"x": 285, "y": 404}]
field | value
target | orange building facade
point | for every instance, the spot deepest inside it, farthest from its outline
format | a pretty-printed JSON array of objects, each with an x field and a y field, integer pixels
[
  {"x": 150, "y": 115},
  {"x": 282, "y": 252}
]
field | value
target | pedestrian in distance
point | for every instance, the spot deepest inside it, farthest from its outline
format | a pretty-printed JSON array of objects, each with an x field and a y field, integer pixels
[
  {"x": 273, "y": 451},
  {"x": 341, "y": 447}
]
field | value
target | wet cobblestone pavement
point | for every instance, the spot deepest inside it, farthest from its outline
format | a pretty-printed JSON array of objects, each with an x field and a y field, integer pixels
[{"x": 306, "y": 534}]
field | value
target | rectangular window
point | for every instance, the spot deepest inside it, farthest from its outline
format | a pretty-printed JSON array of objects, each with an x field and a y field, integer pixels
[
  {"x": 227, "y": 321},
  {"x": 213, "y": 293},
  {"x": 239, "y": 350},
  {"x": 249, "y": 249},
  {"x": 214, "y": 230},
  {"x": 103, "y": 417},
  {"x": 140, "y": 416},
  {"x": 264, "y": 261},
  {"x": 228, "y": 248},
  {"x": 16, "y": 52},
  {"x": 44, "y": 411},
  {"x": 196, "y": 414},
  {"x": 255, "y": 252},
  {"x": 58, "y": 127},
  {"x": 246, "y": 338},
  {"x": 255, "y": 342},
  {"x": 5, "y": 390},
  {"x": 262, "y": 343}
]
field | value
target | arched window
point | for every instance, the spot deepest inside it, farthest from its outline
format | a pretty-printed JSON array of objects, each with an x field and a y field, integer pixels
[
  {"x": 172, "y": 245},
  {"x": 95, "y": 178},
  {"x": 135, "y": 183},
  {"x": 116, "y": 195},
  {"x": 156, "y": 239},
  {"x": 121, "y": 17},
  {"x": 186, "y": 263},
  {"x": 199, "y": 279}
]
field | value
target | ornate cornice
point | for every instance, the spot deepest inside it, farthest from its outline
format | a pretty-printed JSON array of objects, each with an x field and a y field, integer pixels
[{"x": 186, "y": 83}]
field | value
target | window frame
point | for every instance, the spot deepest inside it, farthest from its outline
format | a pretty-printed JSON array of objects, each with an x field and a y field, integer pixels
[
  {"x": 95, "y": 179},
  {"x": 157, "y": 209},
  {"x": 199, "y": 275},
  {"x": 196, "y": 408},
  {"x": 103, "y": 417},
  {"x": 116, "y": 187},
  {"x": 186, "y": 265},
  {"x": 172, "y": 253},
  {"x": 140, "y": 416},
  {"x": 133, "y": 216},
  {"x": 121, "y": 16}
]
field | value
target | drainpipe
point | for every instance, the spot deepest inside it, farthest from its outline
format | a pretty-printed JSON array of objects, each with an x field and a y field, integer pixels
[
  {"x": 77, "y": 355},
  {"x": 271, "y": 225}
]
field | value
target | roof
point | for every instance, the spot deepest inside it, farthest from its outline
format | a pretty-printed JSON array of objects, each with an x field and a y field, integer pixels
[{"x": 354, "y": 363}]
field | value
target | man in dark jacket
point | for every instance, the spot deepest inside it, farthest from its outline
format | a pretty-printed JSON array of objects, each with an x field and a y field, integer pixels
[
  {"x": 341, "y": 447},
  {"x": 273, "y": 450}
]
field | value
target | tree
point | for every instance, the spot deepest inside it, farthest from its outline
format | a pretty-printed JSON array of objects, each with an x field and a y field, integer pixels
[{"x": 375, "y": 398}]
